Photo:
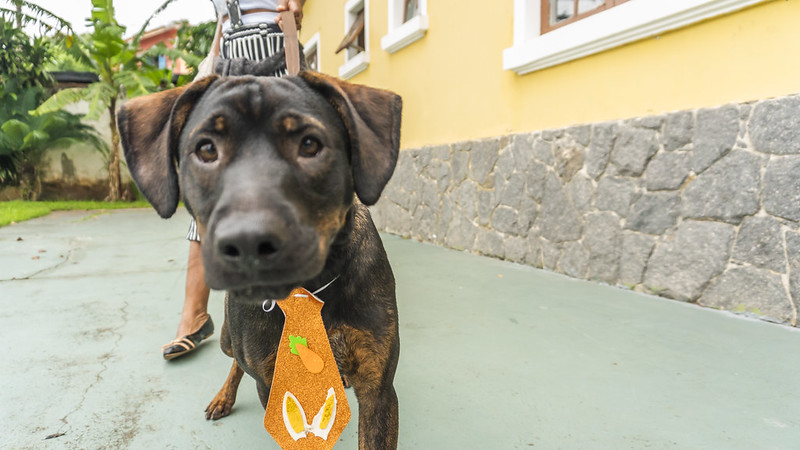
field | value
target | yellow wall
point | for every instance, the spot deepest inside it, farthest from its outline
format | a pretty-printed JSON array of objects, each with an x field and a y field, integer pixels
[{"x": 454, "y": 87}]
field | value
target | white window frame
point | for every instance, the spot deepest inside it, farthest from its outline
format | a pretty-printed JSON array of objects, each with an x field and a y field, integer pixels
[
  {"x": 401, "y": 34},
  {"x": 355, "y": 64},
  {"x": 312, "y": 45},
  {"x": 622, "y": 24}
]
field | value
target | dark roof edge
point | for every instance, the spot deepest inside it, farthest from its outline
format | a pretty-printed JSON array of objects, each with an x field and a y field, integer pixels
[{"x": 75, "y": 77}]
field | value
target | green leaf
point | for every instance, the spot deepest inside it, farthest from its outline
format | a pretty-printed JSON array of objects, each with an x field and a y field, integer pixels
[
  {"x": 99, "y": 96},
  {"x": 135, "y": 83},
  {"x": 16, "y": 131},
  {"x": 63, "y": 142},
  {"x": 54, "y": 122},
  {"x": 35, "y": 140},
  {"x": 80, "y": 51},
  {"x": 103, "y": 11},
  {"x": 36, "y": 15},
  {"x": 61, "y": 99}
]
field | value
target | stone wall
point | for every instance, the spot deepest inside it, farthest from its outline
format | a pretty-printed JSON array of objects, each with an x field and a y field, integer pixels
[{"x": 701, "y": 206}]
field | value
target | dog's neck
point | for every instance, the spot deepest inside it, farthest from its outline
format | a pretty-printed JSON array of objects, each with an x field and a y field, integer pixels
[
  {"x": 338, "y": 255},
  {"x": 342, "y": 245}
]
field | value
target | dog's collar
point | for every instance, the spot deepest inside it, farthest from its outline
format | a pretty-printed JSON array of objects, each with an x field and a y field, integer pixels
[{"x": 269, "y": 304}]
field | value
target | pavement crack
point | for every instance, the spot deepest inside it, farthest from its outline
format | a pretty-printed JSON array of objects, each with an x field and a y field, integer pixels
[
  {"x": 104, "y": 359},
  {"x": 105, "y": 274},
  {"x": 66, "y": 259}
]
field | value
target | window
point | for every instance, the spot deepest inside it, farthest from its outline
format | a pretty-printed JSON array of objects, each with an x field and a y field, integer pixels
[
  {"x": 356, "y": 39},
  {"x": 576, "y": 31},
  {"x": 312, "y": 53},
  {"x": 557, "y": 13},
  {"x": 411, "y": 10},
  {"x": 408, "y": 23}
]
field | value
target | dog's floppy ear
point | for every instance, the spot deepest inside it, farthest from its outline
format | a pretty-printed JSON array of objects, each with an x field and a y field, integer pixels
[
  {"x": 149, "y": 128},
  {"x": 372, "y": 119}
]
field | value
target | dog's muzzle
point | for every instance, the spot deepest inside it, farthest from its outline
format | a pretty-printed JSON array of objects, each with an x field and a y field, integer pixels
[{"x": 245, "y": 250}]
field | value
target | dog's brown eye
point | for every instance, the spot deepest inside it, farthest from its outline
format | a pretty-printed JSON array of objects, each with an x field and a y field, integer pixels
[
  {"x": 206, "y": 152},
  {"x": 310, "y": 146}
]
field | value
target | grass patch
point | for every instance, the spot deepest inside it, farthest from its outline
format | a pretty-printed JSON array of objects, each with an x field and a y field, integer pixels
[{"x": 17, "y": 210}]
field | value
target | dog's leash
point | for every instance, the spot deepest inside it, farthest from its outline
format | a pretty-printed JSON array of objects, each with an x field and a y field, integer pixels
[{"x": 291, "y": 43}]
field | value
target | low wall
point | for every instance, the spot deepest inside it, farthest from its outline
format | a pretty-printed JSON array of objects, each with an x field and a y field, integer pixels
[
  {"x": 80, "y": 171},
  {"x": 700, "y": 206}
]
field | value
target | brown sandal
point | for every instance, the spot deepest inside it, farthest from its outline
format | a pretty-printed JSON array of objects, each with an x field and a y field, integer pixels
[{"x": 186, "y": 344}]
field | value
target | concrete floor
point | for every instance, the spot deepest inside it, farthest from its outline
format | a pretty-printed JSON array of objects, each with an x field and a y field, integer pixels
[{"x": 494, "y": 355}]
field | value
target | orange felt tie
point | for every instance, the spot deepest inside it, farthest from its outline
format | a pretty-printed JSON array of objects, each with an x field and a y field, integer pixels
[{"x": 307, "y": 406}]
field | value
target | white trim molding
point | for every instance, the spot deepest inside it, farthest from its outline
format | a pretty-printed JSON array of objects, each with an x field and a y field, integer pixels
[
  {"x": 628, "y": 22},
  {"x": 354, "y": 66},
  {"x": 401, "y": 34},
  {"x": 358, "y": 62},
  {"x": 312, "y": 45}
]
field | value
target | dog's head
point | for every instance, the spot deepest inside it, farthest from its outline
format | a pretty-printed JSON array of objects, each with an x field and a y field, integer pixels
[{"x": 267, "y": 166}]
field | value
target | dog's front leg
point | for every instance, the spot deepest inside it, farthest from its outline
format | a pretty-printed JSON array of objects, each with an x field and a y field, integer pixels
[
  {"x": 223, "y": 402},
  {"x": 378, "y": 421}
]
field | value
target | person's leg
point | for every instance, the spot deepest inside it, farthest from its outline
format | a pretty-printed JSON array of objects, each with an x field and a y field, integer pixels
[
  {"x": 195, "y": 325},
  {"x": 195, "y": 303}
]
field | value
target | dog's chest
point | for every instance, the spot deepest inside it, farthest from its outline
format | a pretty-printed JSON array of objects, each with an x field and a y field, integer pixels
[{"x": 256, "y": 337}]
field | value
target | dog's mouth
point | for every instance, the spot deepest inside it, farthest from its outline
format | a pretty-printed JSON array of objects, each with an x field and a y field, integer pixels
[
  {"x": 264, "y": 292},
  {"x": 273, "y": 279},
  {"x": 264, "y": 284},
  {"x": 263, "y": 254}
]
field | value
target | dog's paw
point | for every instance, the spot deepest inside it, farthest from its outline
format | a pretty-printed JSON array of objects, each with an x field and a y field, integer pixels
[
  {"x": 345, "y": 381},
  {"x": 219, "y": 407}
]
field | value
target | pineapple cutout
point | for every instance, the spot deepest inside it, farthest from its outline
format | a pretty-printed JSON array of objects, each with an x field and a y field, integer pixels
[{"x": 307, "y": 406}]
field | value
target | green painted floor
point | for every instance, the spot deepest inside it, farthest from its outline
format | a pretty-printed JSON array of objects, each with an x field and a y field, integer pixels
[{"x": 494, "y": 355}]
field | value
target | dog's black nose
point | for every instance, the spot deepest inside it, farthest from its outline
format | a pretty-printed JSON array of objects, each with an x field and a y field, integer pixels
[
  {"x": 249, "y": 240},
  {"x": 238, "y": 247}
]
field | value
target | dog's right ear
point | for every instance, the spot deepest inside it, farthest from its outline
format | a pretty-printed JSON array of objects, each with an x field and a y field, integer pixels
[{"x": 149, "y": 128}]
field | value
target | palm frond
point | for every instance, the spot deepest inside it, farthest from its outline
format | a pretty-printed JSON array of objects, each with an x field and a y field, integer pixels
[
  {"x": 79, "y": 49},
  {"x": 64, "y": 142},
  {"x": 91, "y": 136},
  {"x": 99, "y": 96},
  {"x": 36, "y": 14},
  {"x": 135, "y": 83},
  {"x": 61, "y": 99}
]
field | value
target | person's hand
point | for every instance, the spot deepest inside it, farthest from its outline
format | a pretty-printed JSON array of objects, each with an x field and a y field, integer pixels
[{"x": 295, "y": 6}]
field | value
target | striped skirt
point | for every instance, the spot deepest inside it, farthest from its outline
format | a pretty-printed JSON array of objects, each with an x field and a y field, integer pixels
[{"x": 256, "y": 43}]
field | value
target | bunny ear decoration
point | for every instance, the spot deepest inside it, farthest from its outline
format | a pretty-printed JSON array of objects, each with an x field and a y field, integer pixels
[
  {"x": 294, "y": 417},
  {"x": 306, "y": 379},
  {"x": 326, "y": 417}
]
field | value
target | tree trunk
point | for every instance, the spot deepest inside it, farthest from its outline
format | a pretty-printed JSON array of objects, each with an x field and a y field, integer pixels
[
  {"x": 18, "y": 15},
  {"x": 114, "y": 177},
  {"x": 30, "y": 185}
]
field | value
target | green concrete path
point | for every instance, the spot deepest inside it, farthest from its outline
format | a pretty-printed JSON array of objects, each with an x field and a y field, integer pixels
[{"x": 494, "y": 355}]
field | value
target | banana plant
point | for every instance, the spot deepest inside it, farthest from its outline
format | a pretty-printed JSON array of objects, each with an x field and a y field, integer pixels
[
  {"x": 23, "y": 86},
  {"x": 24, "y": 139},
  {"x": 121, "y": 70}
]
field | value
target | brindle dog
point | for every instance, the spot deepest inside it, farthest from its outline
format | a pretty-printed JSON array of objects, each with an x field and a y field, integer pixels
[{"x": 277, "y": 173}]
